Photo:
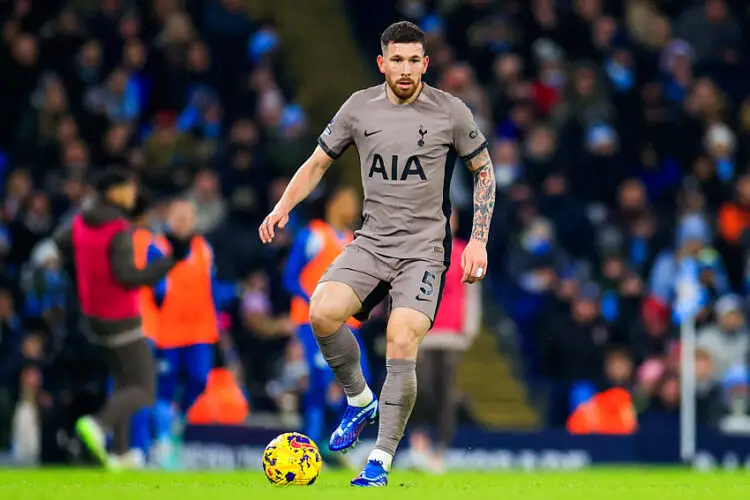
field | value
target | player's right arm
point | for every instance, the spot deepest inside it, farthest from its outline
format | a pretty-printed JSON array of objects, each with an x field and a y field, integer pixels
[
  {"x": 334, "y": 140},
  {"x": 302, "y": 184}
]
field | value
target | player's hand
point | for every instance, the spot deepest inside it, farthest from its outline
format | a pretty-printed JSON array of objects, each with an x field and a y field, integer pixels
[
  {"x": 278, "y": 216},
  {"x": 474, "y": 262}
]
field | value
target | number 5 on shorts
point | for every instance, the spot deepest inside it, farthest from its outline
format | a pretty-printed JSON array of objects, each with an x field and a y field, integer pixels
[{"x": 427, "y": 287}]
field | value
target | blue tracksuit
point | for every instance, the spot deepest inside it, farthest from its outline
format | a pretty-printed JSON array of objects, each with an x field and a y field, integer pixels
[
  {"x": 305, "y": 247},
  {"x": 185, "y": 368}
]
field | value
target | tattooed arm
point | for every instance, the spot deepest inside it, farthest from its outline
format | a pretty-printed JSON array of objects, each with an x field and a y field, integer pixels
[
  {"x": 484, "y": 194},
  {"x": 471, "y": 146}
]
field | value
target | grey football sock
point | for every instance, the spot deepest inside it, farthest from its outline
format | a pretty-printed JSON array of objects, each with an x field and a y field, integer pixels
[
  {"x": 341, "y": 351},
  {"x": 396, "y": 403}
]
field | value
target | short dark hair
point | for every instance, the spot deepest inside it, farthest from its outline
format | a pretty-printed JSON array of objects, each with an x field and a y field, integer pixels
[
  {"x": 113, "y": 176},
  {"x": 142, "y": 205},
  {"x": 402, "y": 32}
]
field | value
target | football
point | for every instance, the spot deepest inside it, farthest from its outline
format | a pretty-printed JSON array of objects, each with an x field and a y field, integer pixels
[{"x": 292, "y": 459}]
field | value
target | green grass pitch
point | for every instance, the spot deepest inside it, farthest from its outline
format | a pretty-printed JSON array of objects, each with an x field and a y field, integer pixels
[{"x": 609, "y": 484}]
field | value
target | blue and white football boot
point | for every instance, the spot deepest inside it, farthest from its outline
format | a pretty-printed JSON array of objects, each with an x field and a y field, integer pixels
[
  {"x": 354, "y": 420},
  {"x": 373, "y": 475}
]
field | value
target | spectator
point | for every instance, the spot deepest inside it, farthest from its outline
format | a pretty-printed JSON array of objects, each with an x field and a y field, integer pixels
[
  {"x": 735, "y": 387},
  {"x": 34, "y": 223},
  {"x": 618, "y": 369},
  {"x": 568, "y": 214},
  {"x": 702, "y": 27},
  {"x": 727, "y": 341},
  {"x": 165, "y": 148},
  {"x": 651, "y": 332},
  {"x": 18, "y": 188},
  {"x": 116, "y": 99},
  {"x": 38, "y": 125},
  {"x": 709, "y": 406},
  {"x": 733, "y": 224},
  {"x": 27, "y": 418},
  {"x": 290, "y": 381},
  {"x": 693, "y": 237},
  {"x": 24, "y": 64},
  {"x": 734, "y": 216},
  {"x": 584, "y": 102},
  {"x": 268, "y": 335},
  {"x": 44, "y": 284},
  {"x": 211, "y": 209},
  {"x": 573, "y": 349},
  {"x": 10, "y": 344}
]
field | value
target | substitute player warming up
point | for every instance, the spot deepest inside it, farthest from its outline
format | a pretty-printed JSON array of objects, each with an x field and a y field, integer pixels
[{"x": 408, "y": 136}]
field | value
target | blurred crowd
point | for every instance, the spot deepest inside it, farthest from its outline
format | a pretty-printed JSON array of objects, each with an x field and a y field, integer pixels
[
  {"x": 619, "y": 133},
  {"x": 189, "y": 93}
]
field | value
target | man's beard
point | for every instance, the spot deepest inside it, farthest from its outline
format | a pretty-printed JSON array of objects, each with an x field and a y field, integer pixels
[{"x": 403, "y": 93}]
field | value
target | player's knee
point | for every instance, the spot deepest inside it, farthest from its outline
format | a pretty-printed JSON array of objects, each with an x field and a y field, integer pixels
[
  {"x": 406, "y": 329},
  {"x": 326, "y": 313},
  {"x": 403, "y": 342},
  {"x": 323, "y": 319},
  {"x": 403, "y": 345}
]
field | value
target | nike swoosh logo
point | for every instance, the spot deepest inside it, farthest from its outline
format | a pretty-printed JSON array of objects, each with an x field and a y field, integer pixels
[
  {"x": 421, "y": 299},
  {"x": 297, "y": 445},
  {"x": 368, "y": 134},
  {"x": 391, "y": 404}
]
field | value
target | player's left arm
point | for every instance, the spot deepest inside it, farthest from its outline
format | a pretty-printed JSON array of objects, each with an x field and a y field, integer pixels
[
  {"x": 484, "y": 195},
  {"x": 471, "y": 146}
]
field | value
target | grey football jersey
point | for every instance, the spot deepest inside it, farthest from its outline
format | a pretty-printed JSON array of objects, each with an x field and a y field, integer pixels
[{"x": 407, "y": 154}]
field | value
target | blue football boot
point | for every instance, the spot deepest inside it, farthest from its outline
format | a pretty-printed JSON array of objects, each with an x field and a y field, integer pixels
[
  {"x": 373, "y": 475},
  {"x": 354, "y": 420}
]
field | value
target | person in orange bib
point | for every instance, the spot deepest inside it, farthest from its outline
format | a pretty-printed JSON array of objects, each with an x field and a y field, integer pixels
[
  {"x": 313, "y": 250},
  {"x": 186, "y": 333}
]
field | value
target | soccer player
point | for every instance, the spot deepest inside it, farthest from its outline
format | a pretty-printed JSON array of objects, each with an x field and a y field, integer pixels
[
  {"x": 408, "y": 136},
  {"x": 313, "y": 251},
  {"x": 99, "y": 243}
]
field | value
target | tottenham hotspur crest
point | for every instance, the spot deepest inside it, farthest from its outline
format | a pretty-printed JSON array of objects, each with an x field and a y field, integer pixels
[{"x": 422, "y": 133}]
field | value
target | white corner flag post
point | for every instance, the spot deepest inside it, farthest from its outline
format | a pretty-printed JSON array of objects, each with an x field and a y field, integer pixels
[{"x": 687, "y": 305}]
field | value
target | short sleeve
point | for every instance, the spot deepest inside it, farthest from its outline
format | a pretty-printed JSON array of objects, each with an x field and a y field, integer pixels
[
  {"x": 337, "y": 136},
  {"x": 468, "y": 140}
]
